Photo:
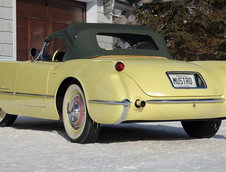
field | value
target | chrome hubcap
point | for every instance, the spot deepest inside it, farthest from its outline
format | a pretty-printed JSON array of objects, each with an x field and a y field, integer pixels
[
  {"x": 2, "y": 114},
  {"x": 76, "y": 112}
]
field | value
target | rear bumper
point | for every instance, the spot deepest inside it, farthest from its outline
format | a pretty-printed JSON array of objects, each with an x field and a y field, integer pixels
[
  {"x": 165, "y": 109},
  {"x": 185, "y": 101}
]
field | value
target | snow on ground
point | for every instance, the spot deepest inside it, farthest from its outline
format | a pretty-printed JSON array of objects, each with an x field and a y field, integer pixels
[{"x": 41, "y": 145}]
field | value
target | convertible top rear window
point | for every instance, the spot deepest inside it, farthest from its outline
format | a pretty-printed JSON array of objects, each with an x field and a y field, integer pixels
[{"x": 112, "y": 41}]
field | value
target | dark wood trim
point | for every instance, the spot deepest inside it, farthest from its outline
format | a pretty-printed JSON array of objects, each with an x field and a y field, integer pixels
[
  {"x": 52, "y": 2},
  {"x": 68, "y": 3},
  {"x": 38, "y": 2}
]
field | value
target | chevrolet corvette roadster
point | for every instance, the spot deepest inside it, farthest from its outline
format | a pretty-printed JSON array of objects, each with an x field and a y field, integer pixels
[{"x": 93, "y": 74}]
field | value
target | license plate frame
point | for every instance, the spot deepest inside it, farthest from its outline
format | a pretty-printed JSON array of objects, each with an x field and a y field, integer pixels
[{"x": 183, "y": 80}]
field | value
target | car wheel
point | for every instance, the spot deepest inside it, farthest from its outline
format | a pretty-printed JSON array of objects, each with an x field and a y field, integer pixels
[
  {"x": 6, "y": 120},
  {"x": 78, "y": 125},
  {"x": 201, "y": 129}
]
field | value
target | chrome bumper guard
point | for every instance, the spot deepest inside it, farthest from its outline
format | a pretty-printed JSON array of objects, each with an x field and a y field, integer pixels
[{"x": 125, "y": 103}]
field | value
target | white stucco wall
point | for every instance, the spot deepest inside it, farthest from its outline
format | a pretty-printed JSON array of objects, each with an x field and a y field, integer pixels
[
  {"x": 101, "y": 18},
  {"x": 7, "y": 30},
  {"x": 91, "y": 11},
  {"x": 95, "y": 12}
]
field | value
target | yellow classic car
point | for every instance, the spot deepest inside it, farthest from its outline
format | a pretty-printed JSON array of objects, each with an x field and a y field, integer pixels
[{"x": 93, "y": 74}]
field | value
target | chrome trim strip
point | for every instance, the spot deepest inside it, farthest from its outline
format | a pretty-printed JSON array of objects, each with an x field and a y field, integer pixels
[
  {"x": 125, "y": 103},
  {"x": 26, "y": 94},
  {"x": 34, "y": 95},
  {"x": 181, "y": 101},
  {"x": 4, "y": 92}
]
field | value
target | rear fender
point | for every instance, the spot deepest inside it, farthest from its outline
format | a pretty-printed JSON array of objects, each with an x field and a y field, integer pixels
[
  {"x": 106, "y": 84},
  {"x": 100, "y": 81},
  {"x": 103, "y": 83},
  {"x": 216, "y": 70}
]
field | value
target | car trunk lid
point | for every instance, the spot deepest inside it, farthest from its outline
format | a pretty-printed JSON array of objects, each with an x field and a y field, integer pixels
[{"x": 152, "y": 75}]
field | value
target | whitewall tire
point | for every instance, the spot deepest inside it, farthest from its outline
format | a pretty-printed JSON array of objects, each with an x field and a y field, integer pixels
[{"x": 78, "y": 125}]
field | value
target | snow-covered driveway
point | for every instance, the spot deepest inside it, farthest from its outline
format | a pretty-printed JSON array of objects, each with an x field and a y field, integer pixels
[{"x": 41, "y": 145}]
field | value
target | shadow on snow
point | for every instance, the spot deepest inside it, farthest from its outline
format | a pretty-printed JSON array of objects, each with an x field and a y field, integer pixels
[
  {"x": 137, "y": 131},
  {"x": 112, "y": 133}
]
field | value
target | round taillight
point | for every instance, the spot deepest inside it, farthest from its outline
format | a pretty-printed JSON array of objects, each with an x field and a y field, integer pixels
[{"x": 119, "y": 66}]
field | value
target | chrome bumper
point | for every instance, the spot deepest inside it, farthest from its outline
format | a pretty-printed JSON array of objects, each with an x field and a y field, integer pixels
[
  {"x": 126, "y": 103},
  {"x": 185, "y": 101}
]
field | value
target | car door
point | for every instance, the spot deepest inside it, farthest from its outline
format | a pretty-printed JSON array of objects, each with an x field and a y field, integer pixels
[
  {"x": 31, "y": 83},
  {"x": 32, "y": 77},
  {"x": 7, "y": 85}
]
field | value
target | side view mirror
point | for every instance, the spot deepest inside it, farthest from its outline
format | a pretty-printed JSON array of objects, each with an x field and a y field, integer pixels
[{"x": 34, "y": 52}]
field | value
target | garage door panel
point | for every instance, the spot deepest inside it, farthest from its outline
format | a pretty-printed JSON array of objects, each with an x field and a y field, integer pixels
[
  {"x": 22, "y": 32},
  {"x": 22, "y": 54},
  {"x": 38, "y": 29},
  {"x": 62, "y": 15},
  {"x": 31, "y": 10},
  {"x": 38, "y": 18},
  {"x": 58, "y": 26}
]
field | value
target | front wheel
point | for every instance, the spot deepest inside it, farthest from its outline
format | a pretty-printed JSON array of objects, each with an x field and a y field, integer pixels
[
  {"x": 6, "y": 120},
  {"x": 78, "y": 125},
  {"x": 201, "y": 129}
]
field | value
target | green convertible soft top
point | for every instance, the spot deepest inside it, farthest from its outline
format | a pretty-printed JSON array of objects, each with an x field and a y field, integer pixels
[{"x": 82, "y": 43}]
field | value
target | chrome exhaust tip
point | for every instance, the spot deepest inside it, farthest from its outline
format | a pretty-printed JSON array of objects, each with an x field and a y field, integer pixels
[{"x": 140, "y": 103}]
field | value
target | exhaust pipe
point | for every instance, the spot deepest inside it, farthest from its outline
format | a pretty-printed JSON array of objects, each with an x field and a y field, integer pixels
[{"x": 140, "y": 103}]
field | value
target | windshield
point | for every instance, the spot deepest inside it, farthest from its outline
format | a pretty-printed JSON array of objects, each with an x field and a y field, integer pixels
[{"x": 112, "y": 41}]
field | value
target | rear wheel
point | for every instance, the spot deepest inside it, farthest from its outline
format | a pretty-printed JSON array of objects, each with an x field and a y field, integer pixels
[
  {"x": 78, "y": 125},
  {"x": 6, "y": 120},
  {"x": 201, "y": 129}
]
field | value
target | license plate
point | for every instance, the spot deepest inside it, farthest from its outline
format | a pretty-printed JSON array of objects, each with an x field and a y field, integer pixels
[{"x": 183, "y": 80}]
